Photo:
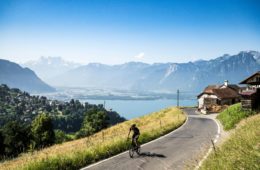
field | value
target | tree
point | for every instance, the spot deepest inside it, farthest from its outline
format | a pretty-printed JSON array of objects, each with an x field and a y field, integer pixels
[
  {"x": 1, "y": 144},
  {"x": 42, "y": 131},
  {"x": 60, "y": 136},
  {"x": 93, "y": 122},
  {"x": 16, "y": 138}
]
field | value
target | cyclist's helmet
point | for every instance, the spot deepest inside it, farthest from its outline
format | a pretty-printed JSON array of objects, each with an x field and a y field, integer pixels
[{"x": 133, "y": 125}]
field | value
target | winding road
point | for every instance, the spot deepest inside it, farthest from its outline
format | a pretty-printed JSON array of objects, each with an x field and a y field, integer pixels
[{"x": 176, "y": 150}]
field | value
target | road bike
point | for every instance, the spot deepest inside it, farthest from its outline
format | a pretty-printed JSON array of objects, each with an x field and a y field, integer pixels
[{"x": 134, "y": 149}]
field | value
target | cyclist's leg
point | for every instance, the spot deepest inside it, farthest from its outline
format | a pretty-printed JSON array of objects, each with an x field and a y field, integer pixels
[
  {"x": 135, "y": 140},
  {"x": 137, "y": 143}
]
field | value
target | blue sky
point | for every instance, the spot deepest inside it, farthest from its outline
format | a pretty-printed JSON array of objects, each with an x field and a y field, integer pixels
[{"x": 118, "y": 31}]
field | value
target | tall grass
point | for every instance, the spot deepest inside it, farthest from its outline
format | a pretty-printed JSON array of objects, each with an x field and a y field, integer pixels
[
  {"x": 241, "y": 151},
  {"x": 108, "y": 142},
  {"x": 232, "y": 115}
]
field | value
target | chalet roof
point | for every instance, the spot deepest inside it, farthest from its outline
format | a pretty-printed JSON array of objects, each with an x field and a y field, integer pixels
[
  {"x": 209, "y": 88},
  {"x": 230, "y": 91},
  {"x": 234, "y": 87},
  {"x": 225, "y": 93},
  {"x": 246, "y": 80}
]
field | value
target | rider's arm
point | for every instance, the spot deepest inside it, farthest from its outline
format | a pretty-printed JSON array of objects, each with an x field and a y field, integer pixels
[{"x": 128, "y": 133}]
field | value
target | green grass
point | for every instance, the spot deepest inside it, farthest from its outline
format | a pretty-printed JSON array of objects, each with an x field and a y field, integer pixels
[
  {"x": 79, "y": 153},
  {"x": 232, "y": 115},
  {"x": 240, "y": 151}
]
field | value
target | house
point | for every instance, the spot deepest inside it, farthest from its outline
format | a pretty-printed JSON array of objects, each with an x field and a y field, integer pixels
[
  {"x": 251, "y": 94},
  {"x": 218, "y": 95}
]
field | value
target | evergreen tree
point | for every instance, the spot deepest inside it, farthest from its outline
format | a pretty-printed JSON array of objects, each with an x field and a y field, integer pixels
[{"x": 42, "y": 131}]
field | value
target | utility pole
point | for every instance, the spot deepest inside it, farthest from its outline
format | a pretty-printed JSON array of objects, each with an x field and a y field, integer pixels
[
  {"x": 104, "y": 104},
  {"x": 178, "y": 97}
]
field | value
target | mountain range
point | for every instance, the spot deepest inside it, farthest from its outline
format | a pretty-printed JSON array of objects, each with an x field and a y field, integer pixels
[
  {"x": 49, "y": 67},
  {"x": 163, "y": 77},
  {"x": 25, "y": 79},
  {"x": 157, "y": 77}
]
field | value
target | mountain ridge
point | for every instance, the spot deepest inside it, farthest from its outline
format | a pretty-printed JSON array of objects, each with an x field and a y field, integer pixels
[
  {"x": 49, "y": 67},
  {"x": 190, "y": 76},
  {"x": 16, "y": 76}
]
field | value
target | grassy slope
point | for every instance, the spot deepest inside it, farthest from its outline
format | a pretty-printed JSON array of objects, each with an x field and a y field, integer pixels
[
  {"x": 111, "y": 141},
  {"x": 240, "y": 151},
  {"x": 232, "y": 115}
]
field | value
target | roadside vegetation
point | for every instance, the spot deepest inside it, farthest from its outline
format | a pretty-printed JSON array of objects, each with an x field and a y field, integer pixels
[
  {"x": 242, "y": 149},
  {"x": 232, "y": 115},
  {"x": 106, "y": 143}
]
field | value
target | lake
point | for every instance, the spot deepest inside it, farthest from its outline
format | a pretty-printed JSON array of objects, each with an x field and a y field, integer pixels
[{"x": 135, "y": 108}]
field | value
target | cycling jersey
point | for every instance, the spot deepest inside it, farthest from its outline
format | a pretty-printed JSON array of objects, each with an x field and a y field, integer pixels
[{"x": 135, "y": 130}]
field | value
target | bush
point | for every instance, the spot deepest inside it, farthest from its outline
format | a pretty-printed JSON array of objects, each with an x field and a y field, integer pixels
[{"x": 232, "y": 115}]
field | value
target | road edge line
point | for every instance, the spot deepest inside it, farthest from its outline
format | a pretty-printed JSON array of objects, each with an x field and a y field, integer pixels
[
  {"x": 210, "y": 149},
  {"x": 97, "y": 163}
]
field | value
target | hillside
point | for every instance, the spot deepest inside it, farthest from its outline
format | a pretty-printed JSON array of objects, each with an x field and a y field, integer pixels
[
  {"x": 25, "y": 79},
  {"x": 66, "y": 116},
  {"x": 108, "y": 142},
  {"x": 240, "y": 151},
  {"x": 191, "y": 76}
]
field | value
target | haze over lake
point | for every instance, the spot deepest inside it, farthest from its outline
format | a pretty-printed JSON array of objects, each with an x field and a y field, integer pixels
[
  {"x": 136, "y": 108},
  {"x": 129, "y": 104}
]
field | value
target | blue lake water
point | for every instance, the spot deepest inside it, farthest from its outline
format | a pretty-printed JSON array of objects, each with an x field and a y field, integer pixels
[{"x": 135, "y": 108}]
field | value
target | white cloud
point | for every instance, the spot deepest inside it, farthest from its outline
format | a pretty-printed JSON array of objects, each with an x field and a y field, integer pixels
[{"x": 139, "y": 56}]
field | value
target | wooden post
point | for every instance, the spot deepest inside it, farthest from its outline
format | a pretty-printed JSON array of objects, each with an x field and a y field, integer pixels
[
  {"x": 213, "y": 146},
  {"x": 160, "y": 123},
  {"x": 103, "y": 136}
]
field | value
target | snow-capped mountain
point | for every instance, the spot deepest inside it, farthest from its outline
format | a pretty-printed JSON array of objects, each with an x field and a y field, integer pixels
[
  {"x": 49, "y": 67},
  {"x": 191, "y": 76}
]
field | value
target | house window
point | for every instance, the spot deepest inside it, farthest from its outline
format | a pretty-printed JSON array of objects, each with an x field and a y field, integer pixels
[{"x": 257, "y": 79}]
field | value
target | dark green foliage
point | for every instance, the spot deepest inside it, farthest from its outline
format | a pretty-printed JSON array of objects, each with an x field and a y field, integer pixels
[
  {"x": 93, "y": 122},
  {"x": 114, "y": 118},
  {"x": 66, "y": 116},
  {"x": 42, "y": 131},
  {"x": 1, "y": 145},
  {"x": 60, "y": 136},
  {"x": 16, "y": 138},
  {"x": 28, "y": 122}
]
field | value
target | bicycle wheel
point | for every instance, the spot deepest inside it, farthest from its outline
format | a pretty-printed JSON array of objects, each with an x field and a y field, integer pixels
[
  {"x": 138, "y": 150},
  {"x": 131, "y": 152}
]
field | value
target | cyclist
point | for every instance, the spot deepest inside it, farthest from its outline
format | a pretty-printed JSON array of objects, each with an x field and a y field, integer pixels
[{"x": 135, "y": 135}]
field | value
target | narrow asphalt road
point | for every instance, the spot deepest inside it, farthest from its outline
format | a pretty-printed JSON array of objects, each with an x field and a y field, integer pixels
[{"x": 176, "y": 150}]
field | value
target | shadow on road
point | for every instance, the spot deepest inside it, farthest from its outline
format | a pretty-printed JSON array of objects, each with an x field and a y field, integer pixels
[{"x": 149, "y": 154}]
